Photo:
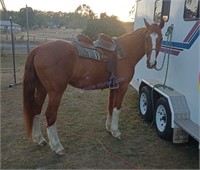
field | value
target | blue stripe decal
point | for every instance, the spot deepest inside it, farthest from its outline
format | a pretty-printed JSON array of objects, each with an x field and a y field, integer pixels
[{"x": 183, "y": 45}]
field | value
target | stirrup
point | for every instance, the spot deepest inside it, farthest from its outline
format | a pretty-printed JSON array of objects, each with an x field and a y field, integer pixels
[{"x": 114, "y": 85}]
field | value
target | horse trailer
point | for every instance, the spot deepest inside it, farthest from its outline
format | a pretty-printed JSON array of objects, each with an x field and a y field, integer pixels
[{"x": 169, "y": 95}]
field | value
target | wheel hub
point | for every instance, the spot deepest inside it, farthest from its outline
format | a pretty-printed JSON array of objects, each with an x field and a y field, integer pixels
[
  {"x": 161, "y": 118},
  {"x": 143, "y": 103}
]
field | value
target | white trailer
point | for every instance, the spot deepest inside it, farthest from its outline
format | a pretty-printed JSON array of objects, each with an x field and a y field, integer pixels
[{"x": 170, "y": 95}]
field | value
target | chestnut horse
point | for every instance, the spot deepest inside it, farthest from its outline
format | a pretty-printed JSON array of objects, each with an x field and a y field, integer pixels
[{"x": 52, "y": 66}]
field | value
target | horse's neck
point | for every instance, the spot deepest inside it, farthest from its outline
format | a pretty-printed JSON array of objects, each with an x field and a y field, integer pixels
[{"x": 134, "y": 45}]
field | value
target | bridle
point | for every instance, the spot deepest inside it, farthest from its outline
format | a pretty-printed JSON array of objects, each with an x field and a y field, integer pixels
[
  {"x": 147, "y": 49},
  {"x": 154, "y": 28}
]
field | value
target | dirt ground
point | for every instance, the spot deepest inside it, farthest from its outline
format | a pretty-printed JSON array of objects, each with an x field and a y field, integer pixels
[{"x": 81, "y": 128}]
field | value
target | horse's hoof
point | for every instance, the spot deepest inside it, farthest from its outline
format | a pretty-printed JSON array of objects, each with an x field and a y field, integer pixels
[
  {"x": 61, "y": 152},
  {"x": 116, "y": 134},
  {"x": 42, "y": 143},
  {"x": 108, "y": 129},
  {"x": 108, "y": 126}
]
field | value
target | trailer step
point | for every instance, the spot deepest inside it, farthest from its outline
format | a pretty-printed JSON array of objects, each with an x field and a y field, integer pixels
[{"x": 190, "y": 127}]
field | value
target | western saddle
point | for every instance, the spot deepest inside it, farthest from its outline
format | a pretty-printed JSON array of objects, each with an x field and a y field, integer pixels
[{"x": 107, "y": 47}]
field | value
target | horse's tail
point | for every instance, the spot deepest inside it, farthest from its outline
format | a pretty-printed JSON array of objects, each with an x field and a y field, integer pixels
[{"x": 29, "y": 82}]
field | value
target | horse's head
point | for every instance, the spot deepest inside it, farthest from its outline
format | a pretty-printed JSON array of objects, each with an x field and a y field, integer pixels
[{"x": 153, "y": 39}]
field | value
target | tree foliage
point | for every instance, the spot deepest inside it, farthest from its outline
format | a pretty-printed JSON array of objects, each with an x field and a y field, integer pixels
[
  {"x": 83, "y": 18},
  {"x": 108, "y": 25},
  {"x": 132, "y": 11},
  {"x": 22, "y": 17},
  {"x": 85, "y": 10},
  {"x": 46, "y": 19}
]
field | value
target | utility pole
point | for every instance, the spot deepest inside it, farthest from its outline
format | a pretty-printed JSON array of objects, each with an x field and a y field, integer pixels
[
  {"x": 27, "y": 29},
  {"x": 13, "y": 51}
]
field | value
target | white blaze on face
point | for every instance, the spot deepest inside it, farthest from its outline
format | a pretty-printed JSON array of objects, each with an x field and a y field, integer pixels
[{"x": 152, "y": 60}]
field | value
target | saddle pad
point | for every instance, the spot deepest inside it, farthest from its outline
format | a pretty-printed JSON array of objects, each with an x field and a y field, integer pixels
[
  {"x": 88, "y": 52},
  {"x": 95, "y": 54}
]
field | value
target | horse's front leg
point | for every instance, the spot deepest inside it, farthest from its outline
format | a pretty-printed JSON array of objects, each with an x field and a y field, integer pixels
[
  {"x": 112, "y": 120},
  {"x": 115, "y": 102},
  {"x": 114, "y": 129},
  {"x": 110, "y": 110}
]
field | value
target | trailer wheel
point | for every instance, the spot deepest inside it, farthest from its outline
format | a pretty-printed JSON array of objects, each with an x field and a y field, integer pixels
[
  {"x": 163, "y": 119},
  {"x": 145, "y": 105}
]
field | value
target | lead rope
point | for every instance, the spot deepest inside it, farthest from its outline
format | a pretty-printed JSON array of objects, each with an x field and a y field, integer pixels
[
  {"x": 131, "y": 165},
  {"x": 169, "y": 37},
  {"x": 90, "y": 136},
  {"x": 168, "y": 34}
]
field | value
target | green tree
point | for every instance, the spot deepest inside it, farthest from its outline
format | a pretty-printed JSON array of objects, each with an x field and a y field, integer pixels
[
  {"x": 5, "y": 15},
  {"x": 109, "y": 25},
  {"x": 103, "y": 15},
  {"x": 40, "y": 19},
  {"x": 132, "y": 11},
  {"x": 75, "y": 20},
  {"x": 22, "y": 17},
  {"x": 86, "y": 11}
]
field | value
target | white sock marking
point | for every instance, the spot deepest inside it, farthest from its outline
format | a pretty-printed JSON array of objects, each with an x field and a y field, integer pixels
[
  {"x": 54, "y": 141},
  {"x": 37, "y": 134},
  {"x": 108, "y": 122},
  {"x": 115, "y": 119}
]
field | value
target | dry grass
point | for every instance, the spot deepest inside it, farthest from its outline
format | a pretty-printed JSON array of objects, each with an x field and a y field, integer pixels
[{"x": 84, "y": 113}]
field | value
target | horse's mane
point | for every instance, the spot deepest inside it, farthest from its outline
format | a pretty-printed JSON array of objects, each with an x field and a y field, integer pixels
[
  {"x": 133, "y": 34},
  {"x": 133, "y": 39}
]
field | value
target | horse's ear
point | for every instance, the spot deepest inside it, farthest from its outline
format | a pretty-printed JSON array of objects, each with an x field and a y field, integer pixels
[
  {"x": 162, "y": 23},
  {"x": 146, "y": 23}
]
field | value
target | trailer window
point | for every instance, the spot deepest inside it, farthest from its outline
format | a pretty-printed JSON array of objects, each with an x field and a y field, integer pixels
[
  {"x": 161, "y": 10},
  {"x": 191, "y": 10}
]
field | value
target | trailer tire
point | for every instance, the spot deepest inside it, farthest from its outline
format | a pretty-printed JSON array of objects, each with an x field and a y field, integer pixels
[
  {"x": 145, "y": 104},
  {"x": 163, "y": 119}
]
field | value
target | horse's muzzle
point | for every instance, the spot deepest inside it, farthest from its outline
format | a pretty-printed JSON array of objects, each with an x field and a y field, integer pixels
[{"x": 150, "y": 66}]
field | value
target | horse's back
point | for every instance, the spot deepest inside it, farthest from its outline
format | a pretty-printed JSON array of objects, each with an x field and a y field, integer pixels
[{"x": 54, "y": 63}]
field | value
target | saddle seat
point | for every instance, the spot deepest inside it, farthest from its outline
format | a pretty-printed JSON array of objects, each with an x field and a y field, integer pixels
[
  {"x": 103, "y": 42},
  {"x": 84, "y": 39}
]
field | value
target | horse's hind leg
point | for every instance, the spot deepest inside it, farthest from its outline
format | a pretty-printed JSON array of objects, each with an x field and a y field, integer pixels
[
  {"x": 51, "y": 116},
  {"x": 40, "y": 96}
]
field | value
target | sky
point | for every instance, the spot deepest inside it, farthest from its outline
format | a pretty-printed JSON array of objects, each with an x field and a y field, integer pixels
[{"x": 118, "y": 8}]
